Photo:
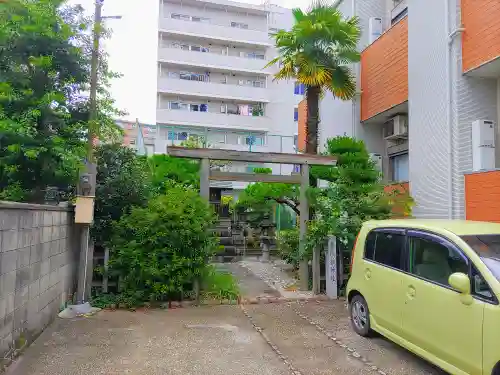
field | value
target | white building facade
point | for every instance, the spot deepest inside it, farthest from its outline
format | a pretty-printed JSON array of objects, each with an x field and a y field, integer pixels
[
  {"x": 428, "y": 85},
  {"x": 213, "y": 82}
]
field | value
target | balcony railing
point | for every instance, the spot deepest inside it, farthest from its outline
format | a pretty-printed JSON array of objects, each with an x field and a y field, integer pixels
[
  {"x": 215, "y": 31},
  {"x": 221, "y": 50},
  {"x": 201, "y": 77}
]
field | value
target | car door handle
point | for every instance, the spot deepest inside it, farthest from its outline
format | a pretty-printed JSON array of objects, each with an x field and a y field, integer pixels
[
  {"x": 368, "y": 274},
  {"x": 411, "y": 292}
]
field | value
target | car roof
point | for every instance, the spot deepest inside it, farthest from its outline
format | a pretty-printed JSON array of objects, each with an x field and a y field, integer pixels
[{"x": 458, "y": 227}]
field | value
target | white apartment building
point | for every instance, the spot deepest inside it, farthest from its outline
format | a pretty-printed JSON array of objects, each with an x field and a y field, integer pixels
[
  {"x": 212, "y": 80},
  {"x": 428, "y": 96}
]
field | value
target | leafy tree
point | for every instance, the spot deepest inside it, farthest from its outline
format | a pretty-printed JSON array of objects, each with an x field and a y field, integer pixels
[
  {"x": 123, "y": 182},
  {"x": 355, "y": 193},
  {"x": 39, "y": 145},
  {"x": 316, "y": 52},
  {"x": 201, "y": 142},
  {"x": 158, "y": 251},
  {"x": 165, "y": 169},
  {"x": 44, "y": 68},
  {"x": 265, "y": 195}
]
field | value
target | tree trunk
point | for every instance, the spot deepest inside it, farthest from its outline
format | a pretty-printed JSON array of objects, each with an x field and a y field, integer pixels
[
  {"x": 312, "y": 126},
  {"x": 312, "y": 97}
]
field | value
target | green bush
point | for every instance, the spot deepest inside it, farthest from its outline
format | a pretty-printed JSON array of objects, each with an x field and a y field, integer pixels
[
  {"x": 158, "y": 251},
  {"x": 218, "y": 284},
  {"x": 288, "y": 246},
  {"x": 123, "y": 182}
]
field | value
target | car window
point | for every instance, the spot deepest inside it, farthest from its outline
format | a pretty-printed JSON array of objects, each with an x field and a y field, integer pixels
[
  {"x": 434, "y": 261},
  {"x": 488, "y": 248},
  {"x": 480, "y": 287},
  {"x": 385, "y": 248},
  {"x": 370, "y": 245}
]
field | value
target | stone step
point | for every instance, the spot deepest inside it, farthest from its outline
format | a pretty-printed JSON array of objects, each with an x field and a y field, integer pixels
[{"x": 226, "y": 241}]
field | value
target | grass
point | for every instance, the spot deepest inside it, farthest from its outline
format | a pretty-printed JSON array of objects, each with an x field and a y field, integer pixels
[{"x": 219, "y": 285}]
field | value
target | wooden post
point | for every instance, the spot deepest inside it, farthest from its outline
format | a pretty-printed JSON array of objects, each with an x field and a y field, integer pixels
[
  {"x": 304, "y": 217},
  {"x": 106, "y": 268},
  {"x": 316, "y": 269},
  {"x": 204, "y": 193},
  {"x": 204, "y": 179}
]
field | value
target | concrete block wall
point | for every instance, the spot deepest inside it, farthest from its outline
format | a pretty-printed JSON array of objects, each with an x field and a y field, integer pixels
[{"x": 38, "y": 259}]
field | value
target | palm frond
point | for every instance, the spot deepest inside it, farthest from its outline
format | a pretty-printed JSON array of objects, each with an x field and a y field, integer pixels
[{"x": 343, "y": 83}]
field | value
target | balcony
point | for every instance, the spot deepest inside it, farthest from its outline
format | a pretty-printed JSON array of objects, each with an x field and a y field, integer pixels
[
  {"x": 211, "y": 119},
  {"x": 213, "y": 90},
  {"x": 212, "y": 60},
  {"x": 214, "y": 31},
  {"x": 480, "y": 39},
  {"x": 384, "y": 74}
]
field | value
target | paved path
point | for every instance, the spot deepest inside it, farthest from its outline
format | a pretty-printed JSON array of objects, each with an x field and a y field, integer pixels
[
  {"x": 215, "y": 340},
  {"x": 192, "y": 341},
  {"x": 273, "y": 339},
  {"x": 250, "y": 285}
]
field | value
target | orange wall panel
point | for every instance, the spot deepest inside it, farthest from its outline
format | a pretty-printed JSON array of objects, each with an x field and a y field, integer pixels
[
  {"x": 302, "y": 126},
  {"x": 384, "y": 71},
  {"x": 403, "y": 188},
  {"x": 481, "y": 38},
  {"x": 482, "y": 196}
]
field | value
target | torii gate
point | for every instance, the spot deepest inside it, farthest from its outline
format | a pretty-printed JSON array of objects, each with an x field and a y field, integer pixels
[{"x": 304, "y": 160}]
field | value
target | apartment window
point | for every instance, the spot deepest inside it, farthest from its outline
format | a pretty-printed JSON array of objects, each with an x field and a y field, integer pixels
[
  {"x": 190, "y": 76},
  {"x": 193, "y": 107},
  {"x": 200, "y": 19},
  {"x": 249, "y": 82},
  {"x": 399, "y": 16},
  {"x": 188, "y": 47},
  {"x": 295, "y": 114},
  {"x": 399, "y": 11},
  {"x": 132, "y": 141},
  {"x": 253, "y": 140},
  {"x": 254, "y": 55},
  {"x": 400, "y": 167},
  {"x": 299, "y": 88},
  {"x": 178, "y": 105},
  {"x": 239, "y": 25},
  {"x": 272, "y": 30},
  {"x": 182, "y": 17}
]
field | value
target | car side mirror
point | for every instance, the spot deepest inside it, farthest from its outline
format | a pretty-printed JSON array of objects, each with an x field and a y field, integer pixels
[{"x": 461, "y": 283}]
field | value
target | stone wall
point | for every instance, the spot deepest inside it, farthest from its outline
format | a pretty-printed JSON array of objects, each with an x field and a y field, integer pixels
[{"x": 38, "y": 259}]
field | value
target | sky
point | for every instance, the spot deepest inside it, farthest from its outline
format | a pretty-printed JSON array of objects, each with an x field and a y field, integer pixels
[{"x": 133, "y": 50}]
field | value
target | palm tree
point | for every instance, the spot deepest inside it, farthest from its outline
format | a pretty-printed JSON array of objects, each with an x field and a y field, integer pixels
[{"x": 316, "y": 52}]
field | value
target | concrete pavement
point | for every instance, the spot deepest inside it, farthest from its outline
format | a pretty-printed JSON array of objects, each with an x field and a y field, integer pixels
[
  {"x": 198, "y": 341},
  {"x": 214, "y": 340}
]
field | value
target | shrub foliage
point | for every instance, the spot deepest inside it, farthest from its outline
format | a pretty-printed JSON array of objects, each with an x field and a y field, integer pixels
[{"x": 158, "y": 251}]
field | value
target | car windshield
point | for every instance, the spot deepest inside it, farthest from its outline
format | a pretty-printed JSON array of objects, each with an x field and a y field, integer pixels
[{"x": 487, "y": 246}]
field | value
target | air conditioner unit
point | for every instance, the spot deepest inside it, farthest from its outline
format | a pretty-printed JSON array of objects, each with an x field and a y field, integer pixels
[
  {"x": 374, "y": 28},
  {"x": 396, "y": 128},
  {"x": 377, "y": 160},
  {"x": 483, "y": 145}
]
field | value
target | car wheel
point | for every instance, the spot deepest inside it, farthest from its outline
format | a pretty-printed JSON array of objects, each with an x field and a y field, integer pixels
[{"x": 360, "y": 316}]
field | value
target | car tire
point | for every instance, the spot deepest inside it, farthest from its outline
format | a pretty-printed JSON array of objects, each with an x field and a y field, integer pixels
[{"x": 360, "y": 316}]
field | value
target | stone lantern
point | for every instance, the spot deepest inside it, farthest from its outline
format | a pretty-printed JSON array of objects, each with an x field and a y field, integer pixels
[{"x": 265, "y": 238}]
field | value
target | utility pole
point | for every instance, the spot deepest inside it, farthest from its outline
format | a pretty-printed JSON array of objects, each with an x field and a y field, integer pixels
[
  {"x": 84, "y": 212},
  {"x": 93, "y": 79},
  {"x": 86, "y": 268}
]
